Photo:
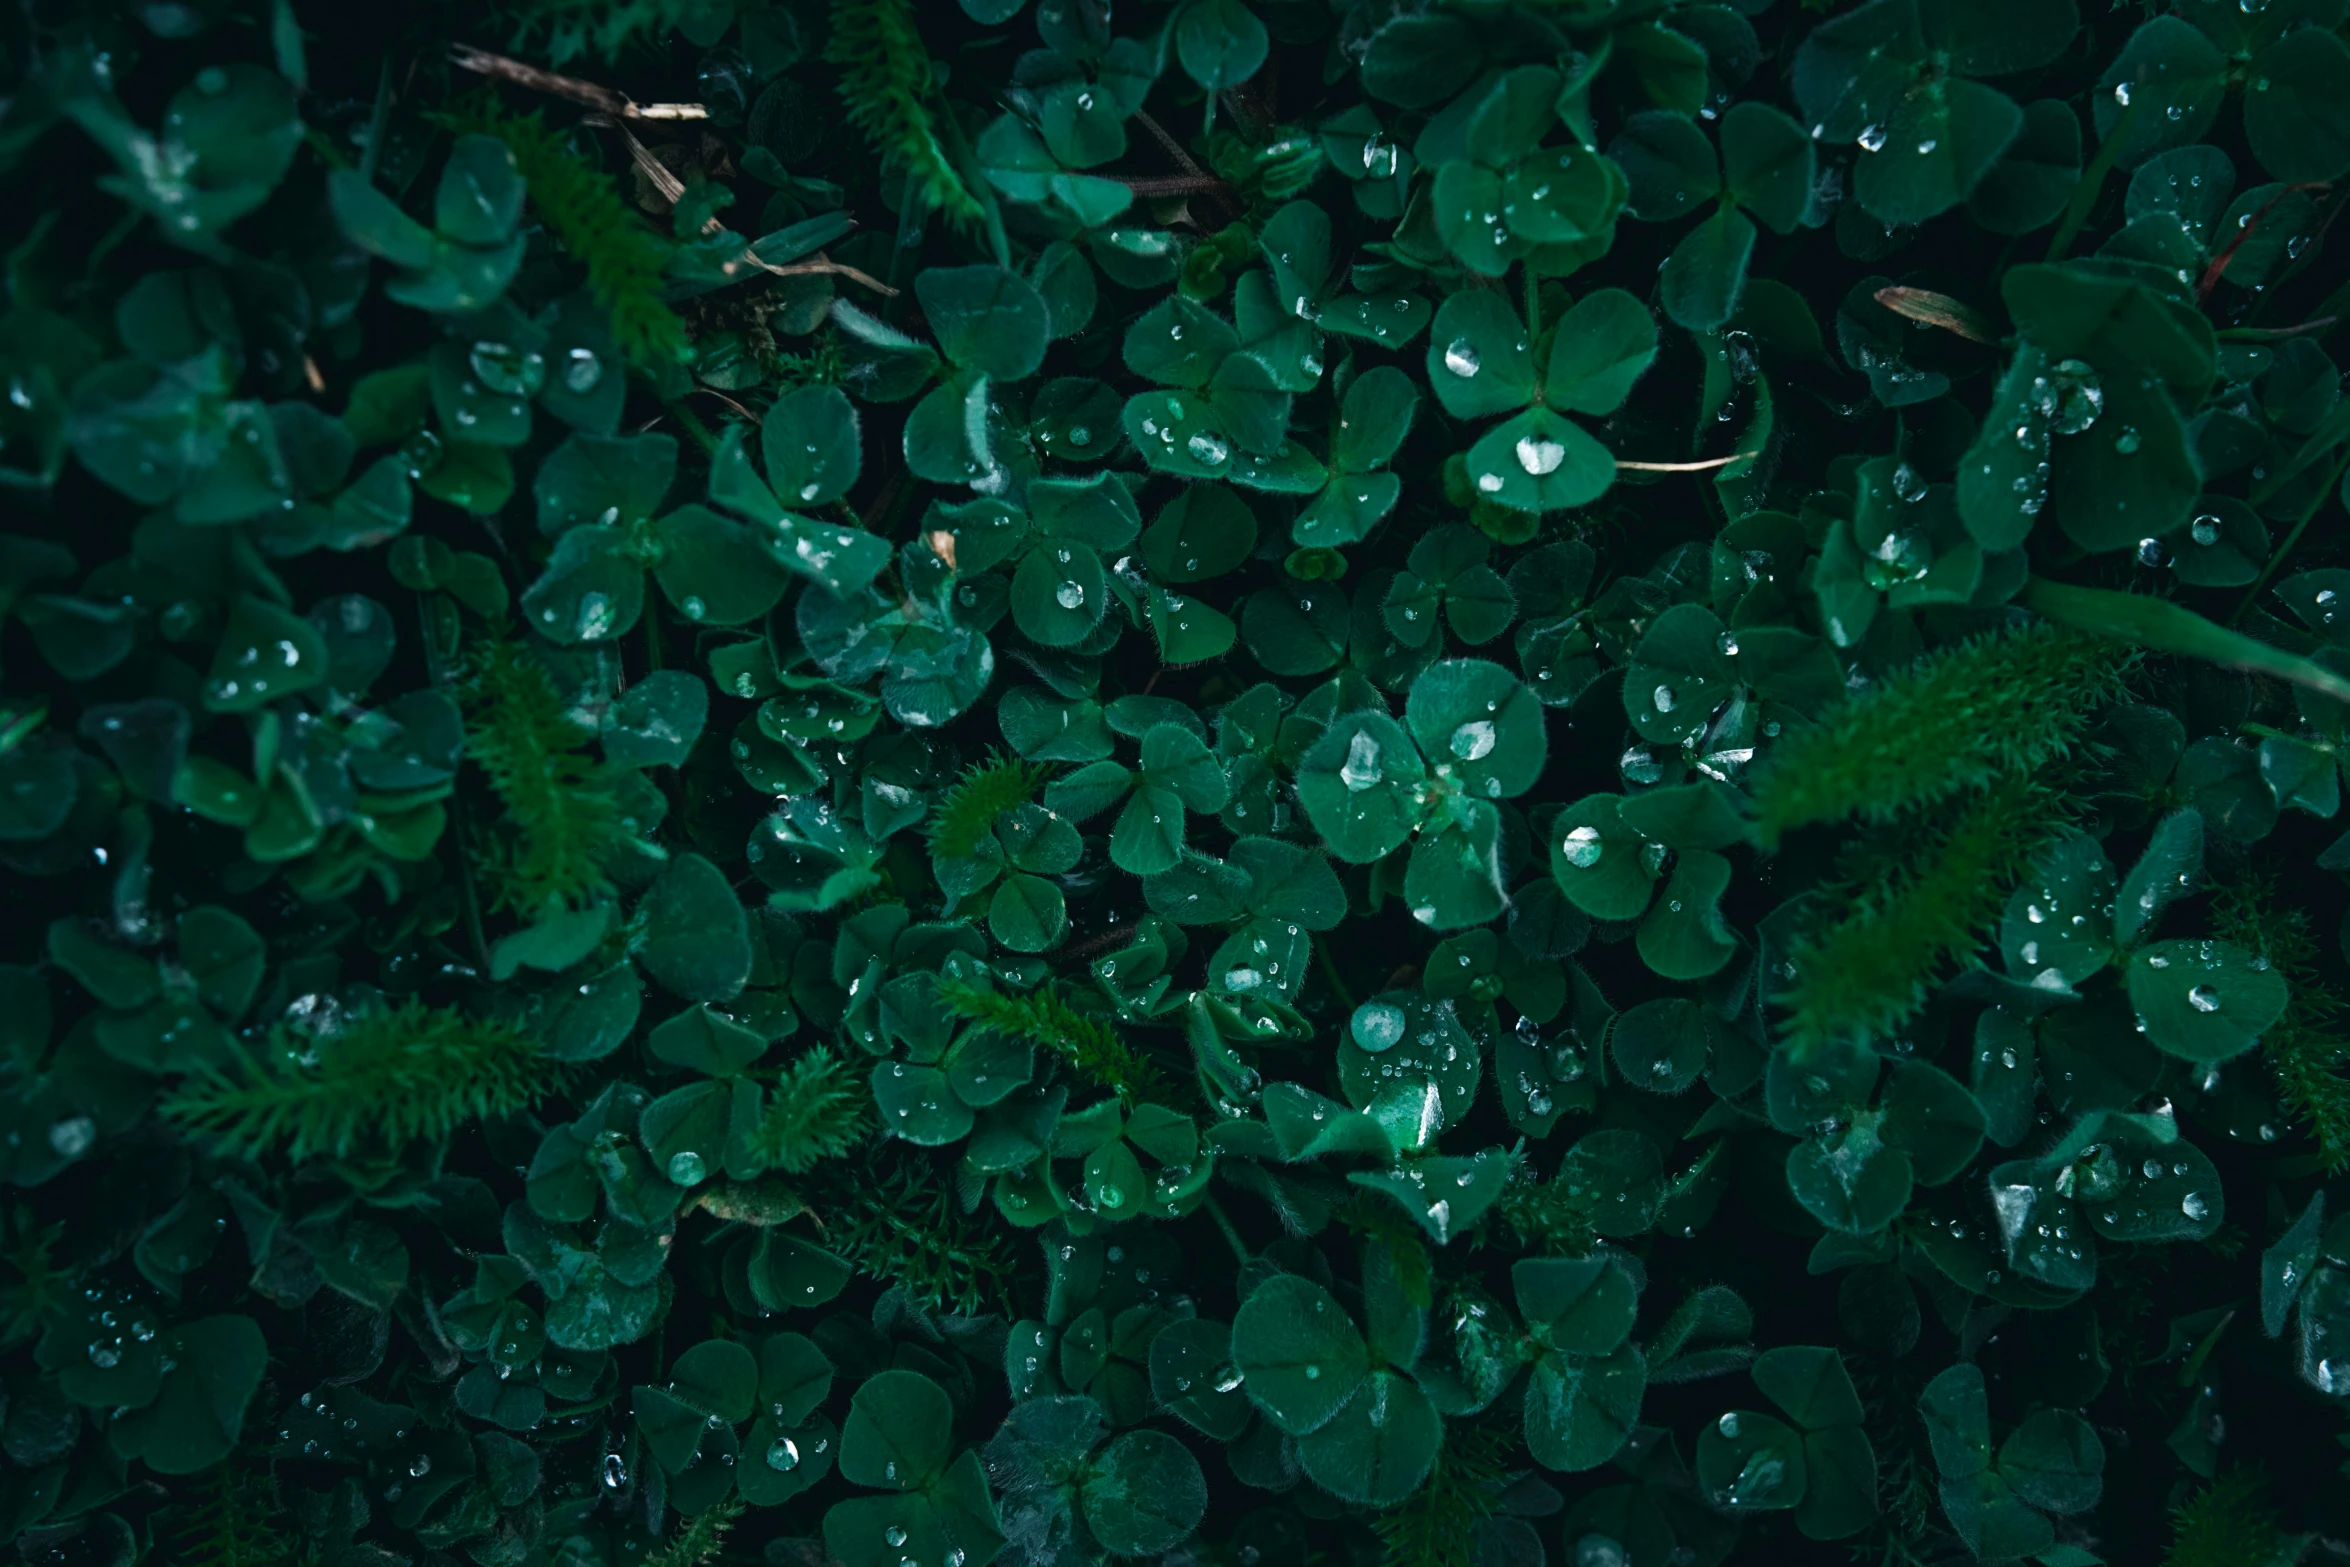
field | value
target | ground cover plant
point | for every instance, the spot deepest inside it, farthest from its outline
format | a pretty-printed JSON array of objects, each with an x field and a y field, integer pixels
[{"x": 916, "y": 783}]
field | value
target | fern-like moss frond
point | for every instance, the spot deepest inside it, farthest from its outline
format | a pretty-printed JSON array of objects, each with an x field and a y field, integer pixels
[
  {"x": 1915, "y": 900},
  {"x": 699, "y": 1543},
  {"x": 815, "y": 1111},
  {"x": 380, "y": 1082},
  {"x": 562, "y": 821},
  {"x": 2227, "y": 1524},
  {"x": 1547, "y": 1218},
  {"x": 984, "y": 792},
  {"x": 1090, "y": 1047},
  {"x": 895, "y": 1218},
  {"x": 2305, "y": 1048},
  {"x": 1437, "y": 1525},
  {"x": 583, "y": 207},
  {"x": 34, "y": 1285},
  {"x": 234, "y": 1522},
  {"x": 887, "y": 81},
  {"x": 1996, "y": 706},
  {"x": 569, "y": 29}
]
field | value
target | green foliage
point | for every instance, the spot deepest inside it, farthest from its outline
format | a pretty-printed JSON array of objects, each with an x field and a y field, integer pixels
[
  {"x": 1024, "y": 784},
  {"x": 1912, "y": 899},
  {"x": 1991, "y": 707},
  {"x": 887, "y": 83},
  {"x": 967, "y": 812},
  {"x": 583, "y": 207},
  {"x": 376, "y": 1084},
  {"x": 561, "y": 824},
  {"x": 815, "y": 1111}
]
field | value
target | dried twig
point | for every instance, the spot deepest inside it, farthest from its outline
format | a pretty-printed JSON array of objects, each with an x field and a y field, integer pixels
[
  {"x": 2275, "y": 334},
  {"x": 1190, "y": 165},
  {"x": 664, "y": 180},
  {"x": 1687, "y": 467},
  {"x": 1149, "y": 185},
  {"x": 590, "y": 94}
]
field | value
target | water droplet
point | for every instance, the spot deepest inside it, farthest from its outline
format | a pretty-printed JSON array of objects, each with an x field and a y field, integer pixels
[
  {"x": 507, "y": 370},
  {"x": 582, "y": 370},
  {"x": 595, "y": 618},
  {"x": 1872, "y": 138},
  {"x": 1539, "y": 457},
  {"x": 1460, "y": 357},
  {"x": 1361, "y": 770},
  {"x": 1378, "y": 1025},
  {"x": 2203, "y": 998},
  {"x": 1474, "y": 740},
  {"x": 1583, "y": 847},
  {"x": 71, "y": 1137},
  {"x": 2205, "y": 530},
  {"x": 688, "y": 1168},
  {"x": 783, "y": 1454}
]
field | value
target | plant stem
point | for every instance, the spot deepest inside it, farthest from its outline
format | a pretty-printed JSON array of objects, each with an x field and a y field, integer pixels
[
  {"x": 1330, "y": 973},
  {"x": 2325, "y": 493},
  {"x": 438, "y": 673},
  {"x": 1224, "y": 1223},
  {"x": 2092, "y": 180}
]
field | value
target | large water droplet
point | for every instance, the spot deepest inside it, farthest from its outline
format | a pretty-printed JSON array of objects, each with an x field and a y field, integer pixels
[
  {"x": 1473, "y": 741},
  {"x": 688, "y": 1168},
  {"x": 595, "y": 617},
  {"x": 507, "y": 370},
  {"x": 1583, "y": 847},
  {"x": 1540, "y": 457},
  {"x": 1460, "y": 357},
  {"x": 2203, "y": 999},
  {"x": 1362, "y": 763},
  {"x": 71, "y": 1137},
  {"x": 1208, "y": 449},
  {"x": 582, "y": 370},
  {"x": 783, "y": 1454},
  {"x": 1378, "y": 1025}
]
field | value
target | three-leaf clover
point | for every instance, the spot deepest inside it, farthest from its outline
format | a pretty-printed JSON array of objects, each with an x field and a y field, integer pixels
[
  {"x": 1481, "y": 363},
  {"x": 1764, "y": 174}
]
